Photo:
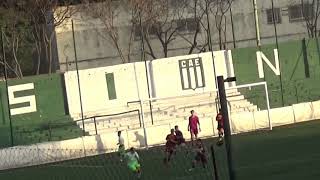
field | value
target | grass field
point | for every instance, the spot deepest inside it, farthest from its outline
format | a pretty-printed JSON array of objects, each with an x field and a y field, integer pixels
[{"x": 289, "y": 152}]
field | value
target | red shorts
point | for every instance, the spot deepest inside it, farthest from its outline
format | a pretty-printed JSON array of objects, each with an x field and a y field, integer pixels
[
  {"x": 180, "y": 141},
  {"x": 220, "y": 126},
  {"x": 201, "y": 158},
  {"x": 194, "y": 131},
  {"x": 170, "y": 147}
]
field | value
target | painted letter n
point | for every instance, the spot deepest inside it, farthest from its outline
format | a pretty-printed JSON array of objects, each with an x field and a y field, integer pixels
[{"x": 261, "y": 57}]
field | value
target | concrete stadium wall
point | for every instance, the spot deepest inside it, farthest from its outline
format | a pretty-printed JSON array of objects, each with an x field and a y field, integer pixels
[
  {"x": 165, "y": 79},
  {"x": 164, "y": 75},
  {"x": 94, "y": 90},
  {"x": 95, "y": 49},
  {"x": 22, "y": 156}
]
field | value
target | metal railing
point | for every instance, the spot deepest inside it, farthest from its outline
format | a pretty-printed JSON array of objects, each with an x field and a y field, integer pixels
[{"x": 94, "y": 118}]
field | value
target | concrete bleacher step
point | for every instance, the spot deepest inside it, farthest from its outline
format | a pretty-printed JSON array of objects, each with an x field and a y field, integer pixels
[
  {"x": 181, "y": 100},
  {"x": 232, "y": 92},
  {"x": 181, "y": 112},
  {"x": 162, "y": 105},
  {"x": 239, "y": 104},
  {"x": 166, "y": 111},
  {"x": 235, "y": 98},
  {"x": 173, "y": 101}
]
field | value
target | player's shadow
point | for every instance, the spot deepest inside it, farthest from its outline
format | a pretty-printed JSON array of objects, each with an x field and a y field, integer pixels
[
  {"x": 140, "y": 138},
  {"x": 100, "y": 145}
]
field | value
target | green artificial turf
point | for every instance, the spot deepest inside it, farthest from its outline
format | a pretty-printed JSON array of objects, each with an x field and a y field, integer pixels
[{"x": 288, "y": 152}]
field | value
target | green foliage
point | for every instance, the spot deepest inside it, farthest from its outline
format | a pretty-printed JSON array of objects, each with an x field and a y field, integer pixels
[{"x": 18, "y": 42}]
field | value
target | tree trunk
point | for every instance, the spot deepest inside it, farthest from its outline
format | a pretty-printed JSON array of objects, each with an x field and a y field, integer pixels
[
  {"x": 165, "y": 50},
  {"x": 50, "y": 56},
  {"x": 220, "y": 38},
  {"x": 38, "y": 46},
  {"x": 14, "y": 51}
]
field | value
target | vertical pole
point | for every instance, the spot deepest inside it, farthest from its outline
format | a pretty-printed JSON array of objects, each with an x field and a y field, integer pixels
[
  {"x": 6, "y": 83},
  {"x": 50, "y": 131},
  {"x": 143, "y": 56},
  {"x": 268, "y": 105},
  {"x": 139, "y": 115},
  {"x": 277, "y": 45},
  {"x": 257, "y": 27},
  {"x": 141, "y": 101},
  {"x": 258, "y": 36},
  {"x": 95, "y": 125},
  {"x": 274, "y": 23},
  {"x": 212, "y": 55},
  {"x": 225, "y": 115},
  {"x": 143, "y": 124},
  {"x": 215, "y": 170},
  {"x": 305, "y": 59},
  {"x": 296, "y": 89},
  {"x": 232, "y": 27},
  {"x": 138, "y": 90},
  {"x": 78, "y": 78},
  {"x": 256, "y": 18}
]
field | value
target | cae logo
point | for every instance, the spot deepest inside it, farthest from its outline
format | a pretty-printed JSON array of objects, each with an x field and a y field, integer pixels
[{"x": 191, "y": 73}]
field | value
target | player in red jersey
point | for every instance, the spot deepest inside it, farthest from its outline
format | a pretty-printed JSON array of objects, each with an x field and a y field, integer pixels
[
  {"x": 170, "y": 146},
  {"x": 200, "y": 156},
  {"x": 219, "y": 119},
  {"x": 180, "y": 139},
  {"x": 193, "y": 125}
]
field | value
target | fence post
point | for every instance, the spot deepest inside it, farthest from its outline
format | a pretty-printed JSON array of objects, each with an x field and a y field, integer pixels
[
  {"x": 143, "y": 124},
  {"x": 225, "y": 115},
  {"x": 78, "y": 78},
  {"x": 6, "y": 83},
  {"x": 214, "y": 163},
  {"x": 50, "y": 135},
  {"x": 139, "y": 115},
  {"x": 296, "y": 89},
  {"x": 95, "y": 125}
]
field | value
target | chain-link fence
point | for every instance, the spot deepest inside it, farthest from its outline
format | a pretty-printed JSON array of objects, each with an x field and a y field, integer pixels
[{"x": 62, "y": 164}]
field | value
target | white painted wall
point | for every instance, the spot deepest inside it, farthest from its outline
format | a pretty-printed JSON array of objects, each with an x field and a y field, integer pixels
[
  {"x": 130, "y": 79},
  {"x": 94, "y": 90},
  {"x": 166, "y": 74}
]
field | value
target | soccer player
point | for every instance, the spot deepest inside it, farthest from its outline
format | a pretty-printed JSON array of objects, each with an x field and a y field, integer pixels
[
  {"x": 121, "y": 149},
  {"x": 193, "y": 125},
  {"x": 170, "y": 146},
  {"x": 133, "y": 162},
  {"x": 200, "y": 155},
  {"x": 179, "y": 136},
  {"x": 219, "y": 119}
]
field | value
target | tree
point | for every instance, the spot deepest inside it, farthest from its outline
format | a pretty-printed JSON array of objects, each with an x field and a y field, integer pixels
[
  {"x": 219, "y": 8},
  {"x": 169, "y": 21},
  {"x": 28, "y": 27},
  {"x": 160, "y": 24},
  {"x": 45, "y": 16},
  {"x": 198, "y": 13},
  {"x": 311, "y": 13},
  {"x": 16, "y": 40},
  {"x": 108, "y": 14}
]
